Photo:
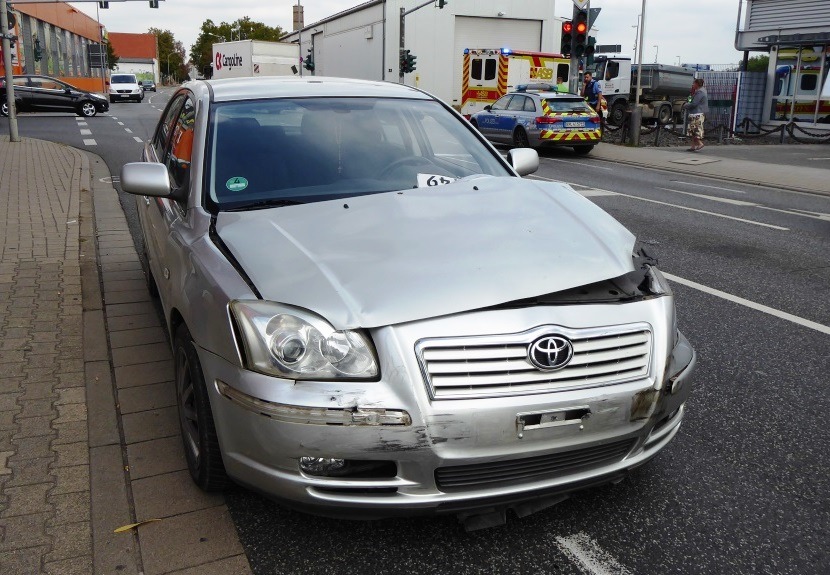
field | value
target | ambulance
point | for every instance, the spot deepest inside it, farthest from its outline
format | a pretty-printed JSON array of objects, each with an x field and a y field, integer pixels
[{"x": 489, "y": 73}]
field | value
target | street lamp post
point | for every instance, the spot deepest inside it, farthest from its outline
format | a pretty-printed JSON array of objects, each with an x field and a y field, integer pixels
[{"x": 168, "y": 66}]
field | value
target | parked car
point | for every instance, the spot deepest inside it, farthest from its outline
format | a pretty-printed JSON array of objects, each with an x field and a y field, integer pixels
[
  {"x": 125, "y": 87},
  {"x": 35, "y": 93},
  {"x": 372, "y": 313},
  {"x": 148, "y": 85},
  {"x": 537, "y": 115}
]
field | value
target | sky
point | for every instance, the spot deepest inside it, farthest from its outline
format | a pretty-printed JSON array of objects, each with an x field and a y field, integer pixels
[{"x": 676, "y": 31}]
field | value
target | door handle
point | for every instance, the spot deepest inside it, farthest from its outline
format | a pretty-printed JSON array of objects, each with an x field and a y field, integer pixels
[{"x": 146, "y": 200}]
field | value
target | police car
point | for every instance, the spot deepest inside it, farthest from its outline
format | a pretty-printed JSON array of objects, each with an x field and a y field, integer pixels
[{"x": 538, "y": 115}]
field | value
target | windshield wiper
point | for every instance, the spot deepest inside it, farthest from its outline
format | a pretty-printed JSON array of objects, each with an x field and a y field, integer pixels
[{"x": 261, "y": 204}]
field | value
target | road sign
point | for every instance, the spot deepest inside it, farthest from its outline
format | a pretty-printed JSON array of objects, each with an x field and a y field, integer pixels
[
  {"x": 580, "y": 4},
  {"x": 593, "y": 14},
  {"x": 608, "y": 48}
]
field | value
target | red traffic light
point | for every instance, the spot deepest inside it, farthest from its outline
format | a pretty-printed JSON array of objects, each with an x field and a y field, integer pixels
[
  {"x": 581, "y": 28},
  {"x": 567, "y": 26}
]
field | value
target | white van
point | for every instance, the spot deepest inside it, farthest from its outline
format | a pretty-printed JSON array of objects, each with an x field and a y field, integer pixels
[{"x": 125, "y": 87}]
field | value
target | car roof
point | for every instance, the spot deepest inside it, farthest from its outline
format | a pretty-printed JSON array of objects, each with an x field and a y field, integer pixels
[{"x": 231, "y": 89}]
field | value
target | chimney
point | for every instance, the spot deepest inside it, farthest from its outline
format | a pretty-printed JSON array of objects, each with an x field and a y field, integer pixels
[{"x": 298, "y": 16}]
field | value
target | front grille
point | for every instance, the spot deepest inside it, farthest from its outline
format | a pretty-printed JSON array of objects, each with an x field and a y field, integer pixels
[
  {"x": 492, "y": 366},
  {"x": 124, "y": 91},
  {"x": 531, "y": 468}
]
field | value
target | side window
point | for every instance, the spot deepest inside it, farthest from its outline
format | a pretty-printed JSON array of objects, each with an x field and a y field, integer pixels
[
  {"x": 612, "y": 71},
  {"x": 501, "y": 103},
  {"x": 165, "y": 128},
  {"x": 181, "y": 145},
  {"x": 19, "y": 81},
  {"x": 530, "y": 105},
  {"x": 517, "y": 103}
]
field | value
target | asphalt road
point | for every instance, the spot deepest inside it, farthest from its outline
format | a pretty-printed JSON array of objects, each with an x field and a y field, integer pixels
[{"x": 742, "y": 488}]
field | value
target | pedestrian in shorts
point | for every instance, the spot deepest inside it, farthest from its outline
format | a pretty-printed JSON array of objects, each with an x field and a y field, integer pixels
[{"x": 697, "y": 107}]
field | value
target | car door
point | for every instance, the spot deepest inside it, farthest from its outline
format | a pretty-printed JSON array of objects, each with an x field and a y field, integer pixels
[
  {"x": 488, "y": 120},
  {"x": 150, "y": 209},
  {"x": 50, "y": 95},
  {"x": 510, "y": 118},
  {"x": 22, "y": 92}
]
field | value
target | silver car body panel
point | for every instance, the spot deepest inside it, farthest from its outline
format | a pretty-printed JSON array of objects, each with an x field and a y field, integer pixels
[{"x": 384, "y": 259}]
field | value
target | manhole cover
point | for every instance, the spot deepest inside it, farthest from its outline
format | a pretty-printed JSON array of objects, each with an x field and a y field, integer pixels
[{"x": 695, "y": 161}]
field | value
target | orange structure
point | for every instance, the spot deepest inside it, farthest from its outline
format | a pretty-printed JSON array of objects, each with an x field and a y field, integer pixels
[{"x": 53, "y": 40}]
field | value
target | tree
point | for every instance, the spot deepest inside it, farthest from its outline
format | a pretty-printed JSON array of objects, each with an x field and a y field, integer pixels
[
  {"x": 112, "y": 57},
  {"x": 201, "y": 52},
  {"x": 171, "y": 55},
  {"x": 758, "y": 64}
]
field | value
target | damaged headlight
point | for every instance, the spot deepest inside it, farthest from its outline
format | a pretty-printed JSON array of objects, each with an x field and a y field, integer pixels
[{"x": 295, "y": 344}]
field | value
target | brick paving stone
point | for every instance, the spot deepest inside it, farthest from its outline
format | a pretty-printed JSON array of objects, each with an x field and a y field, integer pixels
[
  {"x": 181, "y": 495},
  {"x": 71, "y": 432},
  {"x": 137, "y": 337},
  {"x": 69, "y": 508},
  {"x": 8, "y": 401},
  {"x": 35, "y": 426},
  {"x": 71, "y": 395},
  {"x": 23, "y": 531},
  {"x": 74, "y": 566},
  {"x": 35, "y": 407},
  {"x": 70, "y": 479},
  {"x": 30, "y": 471},
  {"x": 153, "y": 424},
  {"x": 142, "y": 398},
  {"x": 236, "y": 565},
  {"x": 144, "y": 374},
  {"x": 22, "y": 561},
  {"x": 70, "y": 541},
  {"x": 27, "y": 499},
  {"x": 157, "y": 456},
  {"x": 129, "y": 322},
  {"x": 71, "y": 412},
  {"x": 71, "y": 454},
  {"x": 140, "y": 354},
  {"x": 39, "y": 390}
]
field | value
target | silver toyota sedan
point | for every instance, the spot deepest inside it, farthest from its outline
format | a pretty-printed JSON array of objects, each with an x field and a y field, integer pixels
[{"x": 372, "y": 313}]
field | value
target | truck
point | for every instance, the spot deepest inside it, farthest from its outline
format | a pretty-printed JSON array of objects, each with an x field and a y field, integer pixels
[
  {"x": 246, "y": 58},
  {"x": 663, "y": 88},
  {"x": 489, "y": 73}
]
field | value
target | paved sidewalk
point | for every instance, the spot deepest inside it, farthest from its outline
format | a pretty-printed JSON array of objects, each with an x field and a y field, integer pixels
[
  {"x": 89, "y": 437},
  {"x": 713, "y": 161}
]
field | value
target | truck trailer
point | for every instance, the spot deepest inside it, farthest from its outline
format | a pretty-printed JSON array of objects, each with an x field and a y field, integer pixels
[
  {"x": 663, "y": 88},
  {"x": 246, "y": 58}
]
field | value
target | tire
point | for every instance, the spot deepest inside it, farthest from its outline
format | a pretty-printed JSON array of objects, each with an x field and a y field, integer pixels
[
  {"x": 520, "y": 138},
  {"x": 664, "y": 115},
  {"x": 112, "y": 100},
  {"x": 617, "y": 113},
  {"x": 582, "y": 150},
  {"x": 4, "y": 108},
  {"x": 201, "y": 446},
  {"x": 474, "y": 124},
  {"x": 87, "y": 110}
]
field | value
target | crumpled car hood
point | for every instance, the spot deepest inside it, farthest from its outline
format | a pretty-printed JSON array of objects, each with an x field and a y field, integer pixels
[{"x": 396, "y": 257}]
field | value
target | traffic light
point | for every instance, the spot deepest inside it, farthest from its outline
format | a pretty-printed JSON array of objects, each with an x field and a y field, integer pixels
[
  {"x": 590, "y": 50},
  {"x": 38, "y": 51},
  {"x": 567, "y": 37},
  {"x": 308, "y": 64},
  {"x": 154, "y": 3},
  {"x": 103, "y": 5},
  {"x": 441, "y": 3},
  {"x": 407, "y": 62},
  {"x": 580, "y": 30}
]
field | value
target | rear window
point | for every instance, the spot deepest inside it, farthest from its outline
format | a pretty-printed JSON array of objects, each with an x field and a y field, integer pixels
[
  {"x": 574, "y": 105},
  {"x": 123, "y": 79}
]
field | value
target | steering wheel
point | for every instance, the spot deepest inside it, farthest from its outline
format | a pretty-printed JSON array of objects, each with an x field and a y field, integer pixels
[{"x": 407, "y": 161}]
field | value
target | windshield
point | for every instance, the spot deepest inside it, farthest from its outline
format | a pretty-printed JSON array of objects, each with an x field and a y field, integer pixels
[
  {"x": 124, "y": 79},
  {"x": 559, "y": 105},
  {"x": 287, "y": 151}
]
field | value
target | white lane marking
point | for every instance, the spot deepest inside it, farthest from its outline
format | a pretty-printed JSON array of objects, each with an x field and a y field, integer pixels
[
  {"x": 120, "y": 123},
  {"x": 90, "y": 142},
  {"x": 86, "y": 132},
  {"x": 129, "y": 131},
  {"x": 113, "y": 117},
  {"x": 708, "y": 213},
  {"x": 750, "y": 304},
  {"x": 585, "y": 190},
  {"x": 705, "y": 186},
  {"x": 585, "y": 552},
  {"x": 577, "y": 163},
  {"x": 137, "y": 139},
  {"x": 803, "y": 213},
  {"x": 713, "y": 198},
  {"x": 818, "y": 158},
  {"x": 82, "y": 123}
]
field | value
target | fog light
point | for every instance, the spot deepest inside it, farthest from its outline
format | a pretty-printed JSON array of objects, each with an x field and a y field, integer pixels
[{"x": 321, "y": 465}]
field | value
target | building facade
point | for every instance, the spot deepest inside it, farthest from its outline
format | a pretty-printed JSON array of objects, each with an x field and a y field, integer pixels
[
  {"x": 364, "y": 41},
  {"x": 137, "y": 54},
  {"x": 54, "y": 39},
  {"x": 796, "y": 35}
]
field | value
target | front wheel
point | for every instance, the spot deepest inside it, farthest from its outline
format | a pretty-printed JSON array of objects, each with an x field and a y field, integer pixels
[
  {"x": 617, "y": 113},
  {"x": 87, "y": 109},
  {"x": 582, "y": 150},
  {"x": 201, "y": 445}
]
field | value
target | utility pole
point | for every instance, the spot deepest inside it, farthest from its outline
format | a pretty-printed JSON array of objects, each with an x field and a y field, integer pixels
[
  {"x": 637, "y": 112},
  {"x": 402, "y": 43},
  {"x": 7, "y": 63}
]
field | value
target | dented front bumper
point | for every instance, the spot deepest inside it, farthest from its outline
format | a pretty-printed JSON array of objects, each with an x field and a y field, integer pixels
[{"x": 414, "y": 453}]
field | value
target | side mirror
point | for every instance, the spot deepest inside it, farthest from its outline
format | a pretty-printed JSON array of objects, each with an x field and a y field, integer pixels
[
  {"x": 67, "y": 90},
  {"x": 524, "y": 160},
  {"x": 487, "y": 108},
  {"x": 146, "y": 179}
]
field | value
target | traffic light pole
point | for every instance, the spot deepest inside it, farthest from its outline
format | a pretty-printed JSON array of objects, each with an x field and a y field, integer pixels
[
  {"x": 7, "y": 64},
  {"x": 402, "y": 27}
]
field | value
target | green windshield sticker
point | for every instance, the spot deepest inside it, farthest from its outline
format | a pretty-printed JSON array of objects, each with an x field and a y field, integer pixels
[{"x": 236, "y": 184}]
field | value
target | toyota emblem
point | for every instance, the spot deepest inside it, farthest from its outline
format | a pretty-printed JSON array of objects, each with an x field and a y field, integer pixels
[{"x": 551, "y": 352}]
